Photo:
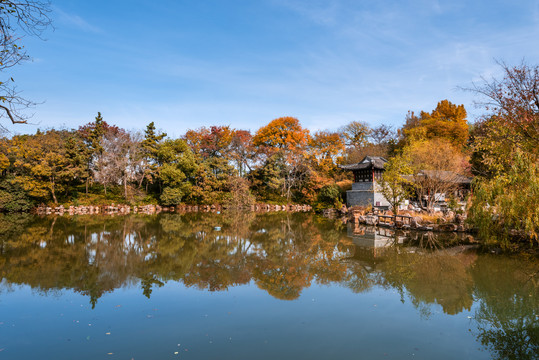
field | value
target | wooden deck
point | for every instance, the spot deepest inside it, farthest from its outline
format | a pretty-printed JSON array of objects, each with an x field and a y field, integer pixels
[{"x": 387, "y": 220}]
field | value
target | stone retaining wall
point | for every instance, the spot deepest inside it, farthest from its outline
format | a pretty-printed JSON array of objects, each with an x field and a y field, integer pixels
[{"x": 123, "y": 209}]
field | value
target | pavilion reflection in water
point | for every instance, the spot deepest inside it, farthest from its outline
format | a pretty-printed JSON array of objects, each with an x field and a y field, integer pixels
[{"x": 374, "y": 237}]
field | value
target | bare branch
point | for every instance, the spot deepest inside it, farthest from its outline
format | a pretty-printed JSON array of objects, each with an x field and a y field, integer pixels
[{"x": 11, "y": 117}]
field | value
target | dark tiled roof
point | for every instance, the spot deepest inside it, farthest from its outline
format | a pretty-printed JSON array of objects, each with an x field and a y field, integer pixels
[{"x": 369, "y": 162}]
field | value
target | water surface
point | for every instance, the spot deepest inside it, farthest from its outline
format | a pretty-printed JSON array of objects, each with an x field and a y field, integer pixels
[{"x": 256, "y": 286}]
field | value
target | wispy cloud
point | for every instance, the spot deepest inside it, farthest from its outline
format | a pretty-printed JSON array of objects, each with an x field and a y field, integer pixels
[
  {"x": 321, "y": 12},
  {"x": 76, "y": 21}
]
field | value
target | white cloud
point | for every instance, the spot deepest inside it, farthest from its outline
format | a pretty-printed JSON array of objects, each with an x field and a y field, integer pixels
[{"x": 76, "y": 21}]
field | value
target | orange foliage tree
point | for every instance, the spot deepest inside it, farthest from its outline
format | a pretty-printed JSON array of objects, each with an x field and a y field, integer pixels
[
  {"x": 326, "y": 150},
  {"x": 283, "y": 143},
  {"x": 284, "y": 133}
]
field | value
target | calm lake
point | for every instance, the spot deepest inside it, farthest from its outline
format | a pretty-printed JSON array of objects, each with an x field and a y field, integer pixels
[{"x": 256, "y": 286}]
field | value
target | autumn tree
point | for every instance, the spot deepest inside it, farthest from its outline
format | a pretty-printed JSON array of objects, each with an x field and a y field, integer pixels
[
  {"x": 512, "y": 119},
  {"x": 18, "y": 18},
  {"x": 242, "y": 152},
  {"x": 211, "y": 180},
  {"x": 240, "y": 194},
  {"x": 326, "y": 148},
  {"x": 215, "y": 155},
  {"x": 393, "y": 184},
  {"x": 507, "y": 206},
  {"x": 284, "y": 141},
  {"x": 447, "y": 121},
  {"x": 363, "y": 140},
  {"x": 505, "y": 144},
  {"x": 285, "y": 133},
  {"x": 356, "y": 134},
  {"x": 210, "y": 142},
  {"x": 44, "y": 166},
  {"x": 437, "y": 168}
]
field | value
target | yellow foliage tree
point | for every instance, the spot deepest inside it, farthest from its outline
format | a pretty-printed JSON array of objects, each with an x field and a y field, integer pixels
[
  {"x": 447, "y": 121},
  {"x": 437, "y": 166}
]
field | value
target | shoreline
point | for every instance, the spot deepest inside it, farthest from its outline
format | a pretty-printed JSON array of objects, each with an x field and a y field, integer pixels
[
  {"x": 124, "y": 209},
  {"x": 406, "y": 220}
]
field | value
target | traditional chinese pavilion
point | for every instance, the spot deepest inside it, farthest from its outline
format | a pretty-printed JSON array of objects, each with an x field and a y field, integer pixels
[{"x": 365, "y": 190}]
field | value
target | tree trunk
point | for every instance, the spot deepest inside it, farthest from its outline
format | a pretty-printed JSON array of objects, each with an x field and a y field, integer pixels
[
  {"x": 53, "y": 192},
  {"x": 125, "y": 186}
]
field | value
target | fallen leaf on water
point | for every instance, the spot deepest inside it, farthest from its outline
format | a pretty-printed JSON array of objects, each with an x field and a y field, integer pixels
[
  {"x": 110, "y": 353},
  {"x": 175, "y": 353},
  {"x": 107, "y": 333}
]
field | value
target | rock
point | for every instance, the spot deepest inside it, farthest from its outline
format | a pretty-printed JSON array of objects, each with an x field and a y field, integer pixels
[
  {"x": 447, "y": 227},
  {"x": 371, "y": 220}
]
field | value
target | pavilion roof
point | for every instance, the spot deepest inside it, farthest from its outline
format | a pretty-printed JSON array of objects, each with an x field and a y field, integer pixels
[{"x": 368, "y": 162}]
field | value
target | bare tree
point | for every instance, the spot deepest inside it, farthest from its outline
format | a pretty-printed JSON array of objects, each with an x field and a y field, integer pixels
[
  {"x": 113, "y": 161},
  {"x": 18, "y": 18},
  {"x": 511, "y": 122},
  {"x": 356, "y": 134},
  {"x": 514, "y": 99}
]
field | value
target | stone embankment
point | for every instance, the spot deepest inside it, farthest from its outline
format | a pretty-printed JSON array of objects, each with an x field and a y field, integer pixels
[
  {"x": 122, "y": 209},
  {"x": 448, "y": 222}
]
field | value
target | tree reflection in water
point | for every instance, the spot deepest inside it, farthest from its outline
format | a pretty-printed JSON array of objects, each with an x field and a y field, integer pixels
[
  {"x": 508, "y": 313},
  {"x": 283, "y": 254}
]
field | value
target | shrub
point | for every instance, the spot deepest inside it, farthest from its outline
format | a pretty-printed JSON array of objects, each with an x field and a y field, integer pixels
[{"x": 13, "y": 198}]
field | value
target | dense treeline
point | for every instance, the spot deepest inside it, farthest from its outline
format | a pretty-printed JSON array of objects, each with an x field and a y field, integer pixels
[
  {"x": 99, "y": 162},
  {"x": 280, "y": 162},
  {"x": 285, "y": 162}
]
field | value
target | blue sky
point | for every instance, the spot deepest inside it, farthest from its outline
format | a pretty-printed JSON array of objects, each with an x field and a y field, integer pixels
[{"x": 191, "y": 63}]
